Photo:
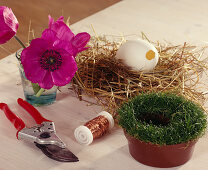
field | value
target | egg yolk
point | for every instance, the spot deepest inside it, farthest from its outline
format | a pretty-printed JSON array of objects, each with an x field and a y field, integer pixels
[{"x": 150, "y": 55}]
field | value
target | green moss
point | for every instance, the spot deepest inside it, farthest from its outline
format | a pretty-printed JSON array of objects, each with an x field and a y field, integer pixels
[{"x": 162, "y": 118}]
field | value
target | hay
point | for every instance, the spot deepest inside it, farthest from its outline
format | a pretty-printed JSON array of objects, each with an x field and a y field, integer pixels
[{"x": 101, "y": 76}]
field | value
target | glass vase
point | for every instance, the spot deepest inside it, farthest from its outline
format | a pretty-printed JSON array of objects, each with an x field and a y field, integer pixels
[{"x": 30, "y": 90}]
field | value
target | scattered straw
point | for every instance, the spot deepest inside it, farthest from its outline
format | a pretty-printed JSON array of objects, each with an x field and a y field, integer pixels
[{"x": 101, "y": 76}]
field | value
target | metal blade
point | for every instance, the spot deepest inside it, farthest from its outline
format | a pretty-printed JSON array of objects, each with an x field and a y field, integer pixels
[{"x": 57, "y": 153}]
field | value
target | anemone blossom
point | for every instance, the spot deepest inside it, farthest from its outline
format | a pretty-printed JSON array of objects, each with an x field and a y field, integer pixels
[
  {"x": 50, "y": 60},
  {"x": 74, "y": 43},
  {"x": 9, "y": 24},
  {"x": 47, "y": 62}
]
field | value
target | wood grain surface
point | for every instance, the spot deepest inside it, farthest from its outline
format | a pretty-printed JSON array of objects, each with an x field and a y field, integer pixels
[{"x": 37, "y": 13}]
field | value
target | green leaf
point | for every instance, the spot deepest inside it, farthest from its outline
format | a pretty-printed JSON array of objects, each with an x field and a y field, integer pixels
[{"x": 36, "y": 87}]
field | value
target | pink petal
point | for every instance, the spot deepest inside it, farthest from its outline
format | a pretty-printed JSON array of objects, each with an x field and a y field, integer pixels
[
  {"x": 58, "y": 79},
  {"x": 75, "y": 51},
  {"x": 30, "y": 59},
  {"x": 51, "y": 21},
  {"x": 47, "y": 82},
  {"x": 37, "y": 75},
  {"x": 66, "y": 72},
  {"x": 49, "y": 35},
  {"x": 6, "y": 35},
  {"x": 63, "y": 45},
  {"x": 35, "y": 50},
  {"x": 33, "y": 70},
  {"x": 9, "y": 24},
  {"x": 2, "y": 8},
  {"x": 81, "y": 40},
  {"x": 4, "y": 26},
  {"x": 61, "y": 18},
  {"x": 10, "y": 19},
  {"x": 62, "y": 31}
]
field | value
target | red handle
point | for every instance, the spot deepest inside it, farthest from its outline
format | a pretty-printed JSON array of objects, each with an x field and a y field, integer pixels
[
  {"x": 32, "y": 111},
  {"x": 16, "y": 121}
]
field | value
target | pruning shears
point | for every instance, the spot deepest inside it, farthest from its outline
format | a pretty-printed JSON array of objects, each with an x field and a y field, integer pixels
[{"x": 43, "y": 134}]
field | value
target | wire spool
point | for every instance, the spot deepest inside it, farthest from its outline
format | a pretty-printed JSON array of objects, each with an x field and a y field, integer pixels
[{"x": 94, "y": 128}]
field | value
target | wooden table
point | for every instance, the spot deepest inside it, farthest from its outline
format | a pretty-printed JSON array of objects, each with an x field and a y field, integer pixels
[{"x": 175, "y": 21}]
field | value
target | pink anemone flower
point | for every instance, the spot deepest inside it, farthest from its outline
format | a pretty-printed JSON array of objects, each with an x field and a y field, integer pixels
[
  {"x": 47, "y": 62},
  {"x": 74, "y": 44},
  {"x": 9, "y": 24}
]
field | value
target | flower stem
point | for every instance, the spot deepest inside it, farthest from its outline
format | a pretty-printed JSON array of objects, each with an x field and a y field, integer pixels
[
  {"x": 35, "y": 87},
  {"x": 39, "y": 92},
  {"x": 19, "y": 41}
]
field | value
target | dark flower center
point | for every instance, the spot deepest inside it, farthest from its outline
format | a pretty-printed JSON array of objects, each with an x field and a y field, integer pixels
[{"x": 51, "y": 60}]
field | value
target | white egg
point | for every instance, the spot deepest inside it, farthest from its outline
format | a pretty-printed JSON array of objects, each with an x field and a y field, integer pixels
[{"x": 140, "y": 55}]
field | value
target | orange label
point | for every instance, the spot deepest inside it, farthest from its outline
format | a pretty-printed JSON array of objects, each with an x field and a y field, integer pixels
[{"x": 150, "y": 55}]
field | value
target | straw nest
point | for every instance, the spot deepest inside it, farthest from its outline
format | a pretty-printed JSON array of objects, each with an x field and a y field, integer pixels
[{"x": 101, "y": 76}]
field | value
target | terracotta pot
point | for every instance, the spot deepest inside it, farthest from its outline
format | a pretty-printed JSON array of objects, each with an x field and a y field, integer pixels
[{"x": 160, "y": 156}]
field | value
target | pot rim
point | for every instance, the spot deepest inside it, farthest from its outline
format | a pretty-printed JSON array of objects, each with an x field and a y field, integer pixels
[{"x": 158, "y": 145}]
